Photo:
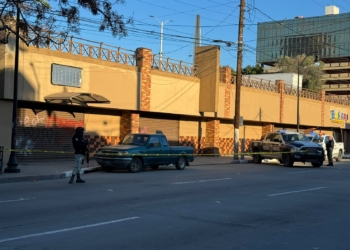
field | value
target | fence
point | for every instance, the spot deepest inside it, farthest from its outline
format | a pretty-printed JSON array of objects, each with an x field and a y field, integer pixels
[
  {"x": 271, "y": 86},
  {"x": 115, "y": 54},
  {"x": 173, "y": 66}
]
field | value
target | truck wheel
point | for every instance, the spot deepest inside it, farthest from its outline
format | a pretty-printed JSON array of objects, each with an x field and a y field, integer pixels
[
  {"x": 135, "y": 165},
  {"x": 340, "y": 155},
  {"x": 317, "y": 164},
  {"x": 181, "y": 163},
  {"x": 287, "y": 160},
  {"x": 154, "y": 167},
  {"x": 257, "y": 157}
]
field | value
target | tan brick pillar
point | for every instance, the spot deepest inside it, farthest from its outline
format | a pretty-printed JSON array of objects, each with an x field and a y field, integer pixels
[
  {"x": 212, "y": 137},
  {"x": 280, "y": 89},
  {"x": 322, "y": 98},
  {"x": 129, "y": 123},
  {"x": 225, "y": 77},
  {"x": 144, "y": 63},
  {"x": 267, "y": 128}
]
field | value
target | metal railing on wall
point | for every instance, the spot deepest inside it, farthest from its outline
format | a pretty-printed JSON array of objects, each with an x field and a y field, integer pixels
[
  {"x": 259, "y": 84},
  {"x": 173, "y": 66},
  {"x": 267, "y": 85},
  {"x": 112, "y": 53},
  {"x": 101, "y": 51}
]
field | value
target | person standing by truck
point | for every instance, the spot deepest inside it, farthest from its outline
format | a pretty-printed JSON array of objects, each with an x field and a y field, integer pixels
[
  {"x": 329, "y": 149},
  {"x": 80, "y": 145}
]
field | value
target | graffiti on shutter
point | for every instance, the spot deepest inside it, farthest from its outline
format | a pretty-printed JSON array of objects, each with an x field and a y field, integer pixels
[{"x": 46, "y": 135}]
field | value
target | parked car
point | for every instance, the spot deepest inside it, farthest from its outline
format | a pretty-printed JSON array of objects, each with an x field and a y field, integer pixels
[
  {"x": 287, "y": 147},
  {"x": 137, "y": 151},
  {"x": 338, "y": 150}
]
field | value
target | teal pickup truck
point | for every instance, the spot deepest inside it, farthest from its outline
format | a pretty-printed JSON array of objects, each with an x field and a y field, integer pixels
[{"x": 138, "y": 151}]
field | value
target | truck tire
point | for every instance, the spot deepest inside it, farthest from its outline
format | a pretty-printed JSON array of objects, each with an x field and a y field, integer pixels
[
  {"x": 317, "y": 164},
  {"x": 135, "y": 165},
  {"x": 287, "y": 160},
  {"x": 257, "y": 157},
  {"x": 340, "y": 155},
  {"x": 180, "y": 163}
]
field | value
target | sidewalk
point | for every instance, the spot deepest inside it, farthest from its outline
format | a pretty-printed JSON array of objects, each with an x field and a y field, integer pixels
[
  {"x": 45, "y": 170},
  {"x": 61, "y": 169}
]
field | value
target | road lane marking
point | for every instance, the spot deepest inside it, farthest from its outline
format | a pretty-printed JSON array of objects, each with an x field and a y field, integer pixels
[
  {"x": 298, "y": 191},
  {"x": 188, "y": 182},
  {"x": 68, "y": 229},
  {"x": 20, "y": 199}
]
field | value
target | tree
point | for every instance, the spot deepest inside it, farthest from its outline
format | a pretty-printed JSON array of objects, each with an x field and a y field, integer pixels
[
  {"x": 311, "y": 73},
  {"x": 253, "y": 70},
  {"x": 39, "y": 19}
]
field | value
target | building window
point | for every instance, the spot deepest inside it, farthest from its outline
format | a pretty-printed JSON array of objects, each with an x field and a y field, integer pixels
[{"x": 66, "y": 75}]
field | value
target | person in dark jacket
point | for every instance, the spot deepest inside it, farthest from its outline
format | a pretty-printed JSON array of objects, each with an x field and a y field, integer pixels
[
  {"x": 80, "y": 145},
  {"x": 329, "y": 149}
]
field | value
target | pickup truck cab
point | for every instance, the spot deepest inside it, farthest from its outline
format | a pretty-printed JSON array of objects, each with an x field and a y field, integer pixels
[
  {"x": 338, "y": 150},
  {"x": 287, "y": 147},
  {"x": 137, "y": 151}
]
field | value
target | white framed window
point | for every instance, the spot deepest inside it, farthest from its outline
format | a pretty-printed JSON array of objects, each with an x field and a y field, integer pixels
[{"x": 66, "y": 75}]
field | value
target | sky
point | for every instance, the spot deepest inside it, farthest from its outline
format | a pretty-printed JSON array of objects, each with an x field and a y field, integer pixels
[{"x": 218, "y": 18}]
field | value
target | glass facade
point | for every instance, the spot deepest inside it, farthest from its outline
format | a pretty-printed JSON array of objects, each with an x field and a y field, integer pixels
[{"x": 328, "y": 36}]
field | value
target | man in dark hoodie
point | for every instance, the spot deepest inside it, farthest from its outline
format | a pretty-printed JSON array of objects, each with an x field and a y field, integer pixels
[
  {"x": 329, "y": 149},
  {"x": 80, "y": 145}
]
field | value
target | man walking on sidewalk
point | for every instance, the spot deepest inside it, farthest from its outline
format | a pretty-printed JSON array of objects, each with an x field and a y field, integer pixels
[
  {"x": 80, "y": 145},
  {"x": 329, "y": 149}
]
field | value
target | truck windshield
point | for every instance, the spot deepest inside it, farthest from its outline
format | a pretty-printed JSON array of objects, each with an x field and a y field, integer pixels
[
  {"x": 294, "y": 137},
  {"x": 317, "y": 139},
  {"x": 135, "y": 140}
]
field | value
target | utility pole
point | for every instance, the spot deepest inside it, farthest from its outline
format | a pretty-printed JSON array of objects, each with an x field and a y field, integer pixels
[
  {"x": 238, "y": 79},
  {"x": 12, "y": 163}
]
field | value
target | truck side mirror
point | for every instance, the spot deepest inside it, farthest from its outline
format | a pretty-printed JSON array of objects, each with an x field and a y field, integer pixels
[{"x": 150, "y": 145}]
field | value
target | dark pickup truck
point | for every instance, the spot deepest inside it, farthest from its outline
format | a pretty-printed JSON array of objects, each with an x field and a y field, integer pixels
[
  {"x": 138, "y": 151},
  {"x": 287, "y": 147}
]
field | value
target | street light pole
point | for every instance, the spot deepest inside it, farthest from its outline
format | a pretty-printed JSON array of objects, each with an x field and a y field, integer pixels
[
  {"x": 12, "y": 163},
  {"x": 161, "y": 36}
]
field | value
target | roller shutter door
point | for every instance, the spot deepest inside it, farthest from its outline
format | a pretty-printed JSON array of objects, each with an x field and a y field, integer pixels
[
  {"x": 170, "y": 128},
  {"x": 46, "y": 131}
]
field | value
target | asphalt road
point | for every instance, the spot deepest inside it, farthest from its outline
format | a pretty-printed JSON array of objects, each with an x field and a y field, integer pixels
[{"x": 230, "y": 206}]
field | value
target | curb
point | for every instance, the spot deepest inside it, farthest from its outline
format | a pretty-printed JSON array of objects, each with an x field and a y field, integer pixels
[
  {"x": 35, "y": 178},
  {"x": 32, "y": 178}
]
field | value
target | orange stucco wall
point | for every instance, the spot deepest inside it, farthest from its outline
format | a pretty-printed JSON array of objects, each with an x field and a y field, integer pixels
[{"x": 126, "y": 86}]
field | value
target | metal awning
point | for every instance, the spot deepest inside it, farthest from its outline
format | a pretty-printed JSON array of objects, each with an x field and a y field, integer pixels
[{"x": 75, "y": 98}]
